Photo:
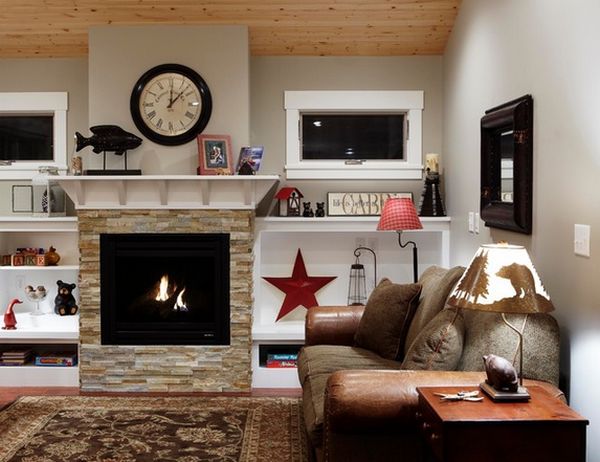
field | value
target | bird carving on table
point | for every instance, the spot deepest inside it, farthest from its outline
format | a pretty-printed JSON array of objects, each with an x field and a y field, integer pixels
[{"x": 10, "y": 320}]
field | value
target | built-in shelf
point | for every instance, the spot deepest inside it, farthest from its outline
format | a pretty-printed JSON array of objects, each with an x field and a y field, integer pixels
[
  {"x": 49, "y": 327},
  {"x": 168, "y": 191},
  {"x": 38, "y": 225},
  {"x": 40, "y": 268}
]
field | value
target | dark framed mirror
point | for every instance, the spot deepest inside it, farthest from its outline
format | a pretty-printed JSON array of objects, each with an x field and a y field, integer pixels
[{"x": 507, "y": 165}]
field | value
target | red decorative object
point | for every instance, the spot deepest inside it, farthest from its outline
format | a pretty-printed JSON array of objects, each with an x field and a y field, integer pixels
[
  {"x": 288, "y": 204},
  {"x": 300, "y": 288},
  {"x": 10, "y": 320}
]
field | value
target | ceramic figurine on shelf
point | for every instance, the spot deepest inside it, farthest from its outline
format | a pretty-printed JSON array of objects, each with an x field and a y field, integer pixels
[
  {"x": 320, "y": 212},
  {"x": 64, "y": 303},
  {"x": 307, "y": 212},
  {"x": 52, "y": 257},
  {"x": 10, "y": 320}
]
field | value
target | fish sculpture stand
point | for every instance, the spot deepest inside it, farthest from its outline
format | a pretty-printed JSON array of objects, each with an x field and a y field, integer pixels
[{"x": 109, "y": 138}]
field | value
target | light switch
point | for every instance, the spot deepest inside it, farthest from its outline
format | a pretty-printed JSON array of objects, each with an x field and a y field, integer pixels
[
  {"x": 471, "y": 222},
  {"x": 477, "y": 220},
  {"x": 582, "y": 240}
]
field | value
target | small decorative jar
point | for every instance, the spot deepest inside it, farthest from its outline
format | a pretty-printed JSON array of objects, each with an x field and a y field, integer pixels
[{"x": 49, "y": 199}]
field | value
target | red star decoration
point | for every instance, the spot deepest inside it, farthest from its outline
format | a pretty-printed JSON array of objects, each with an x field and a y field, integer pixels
[{"x": 300, "y": 288}]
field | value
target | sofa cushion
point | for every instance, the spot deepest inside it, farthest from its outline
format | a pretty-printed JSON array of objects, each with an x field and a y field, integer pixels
[
  {"x": 439, "y": 346},
  {"x": 486, "y": 333},
  {"x": 315, "y": 365},
  {"x": 384, "y": 324},
  {"x": 437, "y": 284}
]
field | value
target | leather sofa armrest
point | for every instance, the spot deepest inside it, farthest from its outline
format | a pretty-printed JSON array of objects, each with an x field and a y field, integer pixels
[
  {"x": 332, "y": 325},
  {"x": 372, "y": 401}
]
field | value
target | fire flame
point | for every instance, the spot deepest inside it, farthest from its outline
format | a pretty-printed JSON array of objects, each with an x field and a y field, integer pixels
[
  {"x": 180, "y": 304},
  {"x": 163, "y": 294},
  {"x": 163, "y": 289}
]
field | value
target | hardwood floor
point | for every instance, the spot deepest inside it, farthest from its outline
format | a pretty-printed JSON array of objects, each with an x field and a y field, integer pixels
[{"x": 9, "y": 394}]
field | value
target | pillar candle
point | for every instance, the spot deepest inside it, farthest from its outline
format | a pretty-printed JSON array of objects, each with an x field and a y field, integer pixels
[{"x": 432, "y": 162}]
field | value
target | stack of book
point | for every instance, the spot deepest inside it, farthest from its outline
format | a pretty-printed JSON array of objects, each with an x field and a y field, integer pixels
[
  {"x": 56, "y": 359},
  {"x": 15, "y": 357},
  {"x": 280, "y": 360}
]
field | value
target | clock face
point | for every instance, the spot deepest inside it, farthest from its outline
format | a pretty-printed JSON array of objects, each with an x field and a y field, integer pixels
[{"x": 171, "y": 104}]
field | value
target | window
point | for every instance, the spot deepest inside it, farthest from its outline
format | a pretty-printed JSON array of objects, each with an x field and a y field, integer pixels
[
  {"x": 353, "y": 134},
  {"x": 33, "y": 132}
]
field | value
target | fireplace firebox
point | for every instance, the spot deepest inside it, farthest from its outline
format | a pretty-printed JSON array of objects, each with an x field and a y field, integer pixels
[{"x": 164, "y": 289}]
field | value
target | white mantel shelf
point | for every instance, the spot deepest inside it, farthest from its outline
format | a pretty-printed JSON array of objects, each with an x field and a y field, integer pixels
[{"x": 167, "y": 191}]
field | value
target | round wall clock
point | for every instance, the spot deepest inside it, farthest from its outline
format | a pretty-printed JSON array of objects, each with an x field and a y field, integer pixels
[{"x": 171, "y": 104}]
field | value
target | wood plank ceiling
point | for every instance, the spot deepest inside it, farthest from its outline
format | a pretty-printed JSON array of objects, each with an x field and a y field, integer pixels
[{"x": 59, "y": 28}]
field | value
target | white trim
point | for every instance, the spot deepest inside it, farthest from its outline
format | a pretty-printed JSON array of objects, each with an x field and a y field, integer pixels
[
  {"x": 52, "y": 103},
  {"x": 297, "y": 102}
]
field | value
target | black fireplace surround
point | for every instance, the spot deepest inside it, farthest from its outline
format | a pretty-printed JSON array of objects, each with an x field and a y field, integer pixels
[{"x": 164, "y": 289}]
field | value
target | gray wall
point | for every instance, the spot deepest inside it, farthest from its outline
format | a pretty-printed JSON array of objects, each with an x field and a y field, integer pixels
[
  {"x": 118, "y": 56},
  {"x": 70, "y": 75},
  {"x": 271, "y": 76},
  {"x": 502, "y": 50}
]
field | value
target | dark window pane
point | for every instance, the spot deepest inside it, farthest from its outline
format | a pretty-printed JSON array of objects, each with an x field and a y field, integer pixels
[
  {"x": 353, "y": 136},
  {"x": 26, "y": 138}
]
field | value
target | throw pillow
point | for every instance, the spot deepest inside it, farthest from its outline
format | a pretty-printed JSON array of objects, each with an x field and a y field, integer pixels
[
  {"x": 384, "y": 324},
  {"x": 439, "y": 346}
]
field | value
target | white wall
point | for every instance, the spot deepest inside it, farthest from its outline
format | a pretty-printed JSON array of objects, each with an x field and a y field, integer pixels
[
  {"x": 118, "y": 56},
  {"x": 549, "y": 48},
  {"x": 27, "y": 75},
  {"x": 271, "y": 76}
]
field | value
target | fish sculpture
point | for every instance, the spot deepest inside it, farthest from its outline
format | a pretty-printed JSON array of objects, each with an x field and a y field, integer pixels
[{"x": 108, "y": 138}]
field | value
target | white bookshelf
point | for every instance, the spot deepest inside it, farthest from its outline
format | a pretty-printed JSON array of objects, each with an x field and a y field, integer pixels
[
  {"x": 327, "y": 246},
  {"x": 50, "y": 331}
]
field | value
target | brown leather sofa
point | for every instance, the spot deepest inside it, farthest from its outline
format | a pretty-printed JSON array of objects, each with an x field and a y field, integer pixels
[{"x": 361, "y": 407}]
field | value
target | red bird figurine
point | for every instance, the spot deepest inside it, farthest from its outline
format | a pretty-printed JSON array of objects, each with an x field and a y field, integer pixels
[{"x": 10, "y": 321}]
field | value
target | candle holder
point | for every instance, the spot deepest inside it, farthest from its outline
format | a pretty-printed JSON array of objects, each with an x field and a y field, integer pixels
[{"x": 36, "y": 295}]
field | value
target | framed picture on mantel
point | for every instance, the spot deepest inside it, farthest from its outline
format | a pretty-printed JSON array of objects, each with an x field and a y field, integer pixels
[
  {"x": 367, "y": 204},
  {"x": 214, "y": 155}
]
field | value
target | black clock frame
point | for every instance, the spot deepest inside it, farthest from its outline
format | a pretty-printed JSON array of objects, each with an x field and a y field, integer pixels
[{"x": 195, "y": 129}]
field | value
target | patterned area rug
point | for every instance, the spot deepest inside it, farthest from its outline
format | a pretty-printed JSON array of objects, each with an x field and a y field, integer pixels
[{"x": 128, "y": 429}]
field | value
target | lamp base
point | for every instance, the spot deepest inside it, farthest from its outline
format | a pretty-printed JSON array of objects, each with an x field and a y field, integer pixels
[{"x": 498, "y": 395}]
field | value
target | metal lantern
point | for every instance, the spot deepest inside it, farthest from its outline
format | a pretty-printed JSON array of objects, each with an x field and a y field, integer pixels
[
  {"x": 49, "y": 199},
  {"x": 357, "y": 287}
]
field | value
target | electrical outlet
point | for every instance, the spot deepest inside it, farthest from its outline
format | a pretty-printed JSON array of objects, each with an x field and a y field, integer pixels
[
  {"x": 372, "y": 243},
  {"x": 20, "y": 281},
  {"x": 581, "y": 241},
  {"x": 471, "y": 222},
  {"x": 360, "y": 242}
]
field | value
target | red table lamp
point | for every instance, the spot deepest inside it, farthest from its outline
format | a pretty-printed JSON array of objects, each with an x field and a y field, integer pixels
[{"x": 399, "y": 214}]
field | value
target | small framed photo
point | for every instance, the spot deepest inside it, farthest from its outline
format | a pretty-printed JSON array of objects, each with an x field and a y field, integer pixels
[
  {"x": 214, "y": 155},
  {"x": 249, "y": 160}
]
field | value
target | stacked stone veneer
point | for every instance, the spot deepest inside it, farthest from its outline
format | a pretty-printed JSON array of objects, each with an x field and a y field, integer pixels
[{"x": 166, "y": 368}]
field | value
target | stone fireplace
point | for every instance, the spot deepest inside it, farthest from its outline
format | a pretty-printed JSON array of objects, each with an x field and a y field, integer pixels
[{"x": 166, "y": 367}]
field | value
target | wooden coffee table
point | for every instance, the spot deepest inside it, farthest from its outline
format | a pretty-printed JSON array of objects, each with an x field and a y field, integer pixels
[{"x": 544, "y": 429}]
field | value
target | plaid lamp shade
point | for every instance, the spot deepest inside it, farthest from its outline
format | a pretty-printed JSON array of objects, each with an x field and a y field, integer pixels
[{"x": 399, "y": 214}]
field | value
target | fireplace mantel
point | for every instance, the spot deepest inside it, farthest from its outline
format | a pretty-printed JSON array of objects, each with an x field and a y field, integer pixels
[{"x": 167, "y": 191}]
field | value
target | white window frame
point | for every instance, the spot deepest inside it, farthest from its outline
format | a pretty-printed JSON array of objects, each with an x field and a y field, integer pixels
[
  {"x": 34, "y": 103},
  {"x": 298, "y": 102}
]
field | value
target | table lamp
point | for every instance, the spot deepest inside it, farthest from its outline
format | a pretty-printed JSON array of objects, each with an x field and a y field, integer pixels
[
  {"x": 399, "y": 214},
  {"x": 501, "y": 278}
]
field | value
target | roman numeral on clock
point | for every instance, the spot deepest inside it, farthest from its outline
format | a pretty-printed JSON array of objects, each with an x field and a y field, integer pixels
[
  {"x": 152, "y": 114},
  {"x": 159, "y": 123},
  {"x": 189, "y": 115}
]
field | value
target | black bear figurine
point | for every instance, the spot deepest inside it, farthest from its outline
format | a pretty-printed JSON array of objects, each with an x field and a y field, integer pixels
[
  {"x": 307, "y": 212},
  {"x": 320, "y": 210},
  {"x": 64, "y": 303}
]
